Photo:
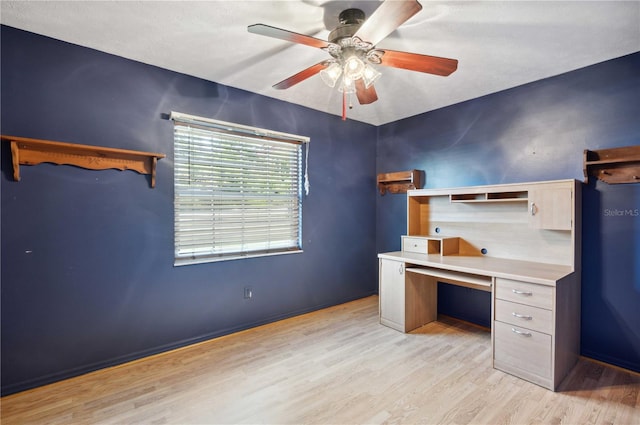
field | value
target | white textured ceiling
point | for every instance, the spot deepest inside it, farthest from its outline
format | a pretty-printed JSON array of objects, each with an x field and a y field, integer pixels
[{"x": 499, "y": 44}]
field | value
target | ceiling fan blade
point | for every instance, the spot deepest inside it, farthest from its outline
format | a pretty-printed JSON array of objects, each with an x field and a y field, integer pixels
[
  {"x": 417, "y": 62},
  {"x": 365, "y": 95},
  {"x": 294, "y": 37},
  {"x": 301, "y": 76},
  {"x": 386, "y": 18}
]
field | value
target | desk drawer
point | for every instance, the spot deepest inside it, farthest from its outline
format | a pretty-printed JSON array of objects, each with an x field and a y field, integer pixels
[
  {"x": 414, "y": 244},
  {"x": 525, "y": 293},
  {"x": 523, "y": 349},
  {"x": 523, "y": 315}
]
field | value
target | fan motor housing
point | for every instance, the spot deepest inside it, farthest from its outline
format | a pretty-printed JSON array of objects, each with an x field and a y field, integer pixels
[{"x": 350, "y": 21}]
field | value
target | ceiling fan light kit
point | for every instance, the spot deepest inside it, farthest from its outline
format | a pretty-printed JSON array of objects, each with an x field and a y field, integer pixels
[
  {"x": 369, "y": 76},
  {"x": 352, "y": 46},
  {"x": 331, "y": 74}
]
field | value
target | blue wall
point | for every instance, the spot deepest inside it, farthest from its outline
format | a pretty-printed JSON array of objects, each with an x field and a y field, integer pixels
[
  {"x": 87, "y": 256},
  {"x": 87, "y": 275},
  {"x": 530, "y": 133}
]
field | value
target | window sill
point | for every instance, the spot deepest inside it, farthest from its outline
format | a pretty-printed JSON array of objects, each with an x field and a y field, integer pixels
[{"x": 203, "y": 260}]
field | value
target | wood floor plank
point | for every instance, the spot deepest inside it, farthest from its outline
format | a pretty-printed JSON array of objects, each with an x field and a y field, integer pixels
[{"x": 334, "y": 366}]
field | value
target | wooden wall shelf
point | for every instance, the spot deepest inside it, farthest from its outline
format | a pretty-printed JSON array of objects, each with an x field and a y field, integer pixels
[
  {"x": 25, "y": 151},
  {"x": 400, "y": 181},
  {"x": 613, "y": 166}
]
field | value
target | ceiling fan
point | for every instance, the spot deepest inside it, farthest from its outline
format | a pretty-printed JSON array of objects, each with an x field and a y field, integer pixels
[{"x": 352, "y": 46}]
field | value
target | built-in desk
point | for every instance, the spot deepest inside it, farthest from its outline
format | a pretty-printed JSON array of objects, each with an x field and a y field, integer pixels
[{"x": 534, "y": 282}]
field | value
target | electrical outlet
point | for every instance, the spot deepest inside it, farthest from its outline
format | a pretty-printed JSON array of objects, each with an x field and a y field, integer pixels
[{"x": 248, "y": 292}]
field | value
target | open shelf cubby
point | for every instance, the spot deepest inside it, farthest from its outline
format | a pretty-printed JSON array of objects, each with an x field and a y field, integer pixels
[
  {"x": 518, "y": 196},
  {"x": 443, "y": 245}
]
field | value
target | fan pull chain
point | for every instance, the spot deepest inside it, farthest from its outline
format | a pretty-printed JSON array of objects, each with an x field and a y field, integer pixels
[{"x": 344, "y": 106}]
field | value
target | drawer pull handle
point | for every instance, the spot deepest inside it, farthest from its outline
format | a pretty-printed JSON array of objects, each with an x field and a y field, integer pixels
[
  {"x": 527, "y": 293},
  {"x": 521, "y": 316},
  {"x": 527, "y": 334}
]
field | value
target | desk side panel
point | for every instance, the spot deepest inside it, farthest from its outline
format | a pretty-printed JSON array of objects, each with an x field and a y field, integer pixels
[{"x": 567, "y": 326}]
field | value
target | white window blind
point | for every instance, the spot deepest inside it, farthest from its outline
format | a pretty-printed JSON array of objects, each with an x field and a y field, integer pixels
[{"x": 238, "y": 191}]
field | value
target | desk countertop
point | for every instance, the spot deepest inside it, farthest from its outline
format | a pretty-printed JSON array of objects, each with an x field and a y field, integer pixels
[{"x": 542, "y": 273}]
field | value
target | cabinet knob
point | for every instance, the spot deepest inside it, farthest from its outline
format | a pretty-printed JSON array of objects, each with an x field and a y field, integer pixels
[{"x": 533, "y": 208}]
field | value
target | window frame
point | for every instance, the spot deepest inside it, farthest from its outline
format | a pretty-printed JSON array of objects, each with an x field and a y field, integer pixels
[{"x": 222, "y": 130}]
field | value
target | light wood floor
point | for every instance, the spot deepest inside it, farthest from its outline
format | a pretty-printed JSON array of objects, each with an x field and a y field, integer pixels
[{"x": 335, "y": 366}]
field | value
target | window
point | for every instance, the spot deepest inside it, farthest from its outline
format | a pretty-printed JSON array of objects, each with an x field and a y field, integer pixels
[{"x": 238, "y": 190}]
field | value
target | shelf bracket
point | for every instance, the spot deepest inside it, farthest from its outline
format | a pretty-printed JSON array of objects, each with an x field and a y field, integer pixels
[{"x": 25, "y": 151}]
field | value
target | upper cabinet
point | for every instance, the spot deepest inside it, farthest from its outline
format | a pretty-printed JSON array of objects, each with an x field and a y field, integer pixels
[{"x": 551, "y": 208}]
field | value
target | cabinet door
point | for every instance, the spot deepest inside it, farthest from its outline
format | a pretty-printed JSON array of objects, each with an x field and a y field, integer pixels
[
  {"x": 392, "y": 291},
  {"x": 551, "y": 208}
]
